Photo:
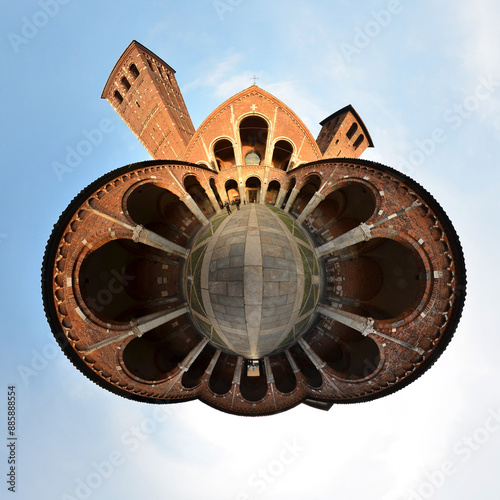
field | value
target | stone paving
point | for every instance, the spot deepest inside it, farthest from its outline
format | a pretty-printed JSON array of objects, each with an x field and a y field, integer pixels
[{"x": 252, "y": 281}]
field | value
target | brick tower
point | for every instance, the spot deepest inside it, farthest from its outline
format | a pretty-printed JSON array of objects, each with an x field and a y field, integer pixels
[
  {"x": 143, "y": 90},
  {"x": 334, "y": 279}
]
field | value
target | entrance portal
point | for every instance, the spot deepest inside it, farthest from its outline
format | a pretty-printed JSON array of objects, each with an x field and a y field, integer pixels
[{"x": 252, "y": 187}]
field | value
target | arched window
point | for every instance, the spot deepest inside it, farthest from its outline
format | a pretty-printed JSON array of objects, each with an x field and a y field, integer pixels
[
  {"x": 253, "y": 137},
  {"x": 224, "y": 154},
  {"x": 134, "y": 70},
  {"x": 358, "y": 141},
  {"x": 352, "y": 130},
  {"x": 125, "y": 82},
  {"x": 281, "y": 155},
  {"x": 118, "y": 97}
]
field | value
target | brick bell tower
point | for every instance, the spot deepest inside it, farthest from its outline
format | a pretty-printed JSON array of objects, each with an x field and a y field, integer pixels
[{"x": 143, "y": 90}]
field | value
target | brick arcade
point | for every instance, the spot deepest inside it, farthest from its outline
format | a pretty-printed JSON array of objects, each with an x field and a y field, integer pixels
[{"x": 339, "y": 279}]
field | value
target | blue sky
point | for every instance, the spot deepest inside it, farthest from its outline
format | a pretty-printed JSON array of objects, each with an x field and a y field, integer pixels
[{"x": 425, "y": 78}]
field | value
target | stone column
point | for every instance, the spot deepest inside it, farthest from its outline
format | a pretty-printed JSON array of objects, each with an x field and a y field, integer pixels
[
  {"x": 356, "y": 322},
  {"x": 237, "y": 371},
  {"x": 315, "y": 359},
  {"x": 142, "y": 235},
  {"x": 280, "y": 197},
  {"x": 213, "y": 200},
  {"x": 292, "y": 362},
  {"x": 313, "y": 203},
  {"x": 185, "y": 364},
  {"x": 241, "y": 187},
  {"x": 140, "y": 327},
  {"x": 213, "y": 361},
  {"x": 190, "y": 358},
  {"x": 194, "y": 208},
  {"x": 236, "y": 378},
  {"x": 269, "y": 371},
  {"x": 290, "y": 201},
  {"x": 361, "y": 324},
  {"x": 264, "y": 186},
  {"x": 352, "y": 237}
]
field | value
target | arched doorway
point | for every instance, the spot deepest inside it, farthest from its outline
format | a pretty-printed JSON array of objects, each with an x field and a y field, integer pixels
[
  {"x": 273, "y": 190},
  {"x": 232, "y": 190},
  {"x": 252, "y": 188}
]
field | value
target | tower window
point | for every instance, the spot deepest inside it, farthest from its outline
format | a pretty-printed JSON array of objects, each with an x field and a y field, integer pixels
[
  {"x": 134, "y": 70},
  {"x": 125, "y": 82},
  {"x": 352, "y": 130},
  {"x": 358, "y": 141},
  {"x": 118, "y": 97}
]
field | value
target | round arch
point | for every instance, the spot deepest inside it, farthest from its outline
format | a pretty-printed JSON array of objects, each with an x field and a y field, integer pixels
[
  {"x": 272, "y": 192},
  {"x": 283, "y": 150},
  {"x": 223, "y": 151},
  {"x": 253, "y": 187},
  {"x": 232, "y": 191},
  {"x": 254, "y": 130},
  {"x": 198, "y": 193}
]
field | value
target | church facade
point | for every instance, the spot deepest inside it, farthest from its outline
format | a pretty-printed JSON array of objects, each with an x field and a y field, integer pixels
[{"x": 249, "y": 265}]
